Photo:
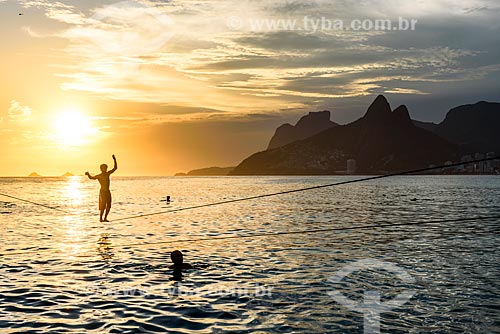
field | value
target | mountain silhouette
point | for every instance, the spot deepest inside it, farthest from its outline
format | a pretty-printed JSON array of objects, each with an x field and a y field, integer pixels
[
  {"x": 429, "y": 126},
  {"x": 473, "y": 126},
  {"x": 381, "y": 141},
  {"x": 307, "y": 126},
  {"x": 210, "y": 171}
]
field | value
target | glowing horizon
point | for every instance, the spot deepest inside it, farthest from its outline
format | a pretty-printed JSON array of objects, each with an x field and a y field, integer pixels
[{"x": 171, "y": 86}]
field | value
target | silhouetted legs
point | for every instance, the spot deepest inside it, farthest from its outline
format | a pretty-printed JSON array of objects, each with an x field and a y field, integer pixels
[
  {"x": 104, "y": 205},
  {"x": 108, "y": 207}
]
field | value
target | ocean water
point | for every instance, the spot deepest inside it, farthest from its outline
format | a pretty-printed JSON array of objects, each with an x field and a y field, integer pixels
[{"x": 69, "y": 273}]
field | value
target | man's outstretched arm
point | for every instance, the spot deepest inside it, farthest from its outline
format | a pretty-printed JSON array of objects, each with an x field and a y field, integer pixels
[
  {"x": 115, "y": 167},
  {"x": 90, "y": 176}
]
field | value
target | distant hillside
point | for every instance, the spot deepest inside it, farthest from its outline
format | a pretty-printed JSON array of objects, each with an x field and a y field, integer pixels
[
  {"x": 34, "y": 174},
  {"x": 211, "y": 171},
  {"x": 381, "y": 141},
  {"x": 429, "y": 126},
  {"x": 476, "y": 127},
  {"x": 307, "y": 126},
  {"x": 67, "y": 174}
]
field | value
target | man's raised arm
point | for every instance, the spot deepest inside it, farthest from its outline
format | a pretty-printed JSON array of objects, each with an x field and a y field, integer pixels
[{"x": 115, "y": 166}]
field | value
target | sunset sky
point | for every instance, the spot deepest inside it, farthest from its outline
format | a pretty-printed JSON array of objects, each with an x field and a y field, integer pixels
[{"x": 170, "y": 86}]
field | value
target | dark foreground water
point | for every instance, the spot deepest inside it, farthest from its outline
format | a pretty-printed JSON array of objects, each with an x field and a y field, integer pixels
[{"x": 64, "y": 273}]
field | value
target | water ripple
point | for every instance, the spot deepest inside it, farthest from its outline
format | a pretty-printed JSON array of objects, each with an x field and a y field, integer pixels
[{"x": 91, "y": 283}]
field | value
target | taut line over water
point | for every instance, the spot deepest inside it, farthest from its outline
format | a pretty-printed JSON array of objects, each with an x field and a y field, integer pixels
[{"x": 370, "y": 178}]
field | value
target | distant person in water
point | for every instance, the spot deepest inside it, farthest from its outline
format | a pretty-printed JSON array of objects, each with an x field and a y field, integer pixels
[
  {"x": 179, "y": 265},
  {"x": 104, "y": 193},
  {"x": 178, "y": 260}
]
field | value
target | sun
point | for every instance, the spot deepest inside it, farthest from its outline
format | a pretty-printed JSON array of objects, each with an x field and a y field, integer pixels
[{"x": 73, "y": 128}]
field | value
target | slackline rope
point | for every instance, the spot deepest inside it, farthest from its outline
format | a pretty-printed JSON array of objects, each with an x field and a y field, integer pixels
[{"x": 415, "y": 171}]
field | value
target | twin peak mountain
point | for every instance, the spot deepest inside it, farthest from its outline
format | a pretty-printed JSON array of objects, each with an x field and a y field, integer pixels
[{"x": 383, "y": 140}]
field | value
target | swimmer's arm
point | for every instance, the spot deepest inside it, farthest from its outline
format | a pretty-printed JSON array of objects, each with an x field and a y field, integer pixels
[
  {"x": 200, "y": 266},
  {"x": 115, "y": 167},
  {"x": 190, "y": 266},
  {"x": 184, "y": 266}
]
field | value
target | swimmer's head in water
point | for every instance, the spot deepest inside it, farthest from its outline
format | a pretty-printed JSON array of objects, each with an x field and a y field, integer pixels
[
  {"x": 104, "y": 168},
  {"x": 176, "y": 257}
]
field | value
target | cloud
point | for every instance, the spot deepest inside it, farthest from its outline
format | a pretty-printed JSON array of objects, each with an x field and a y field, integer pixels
[
  {"x": 183, "y": 53},
  {"x": 18, "y": 112}
]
